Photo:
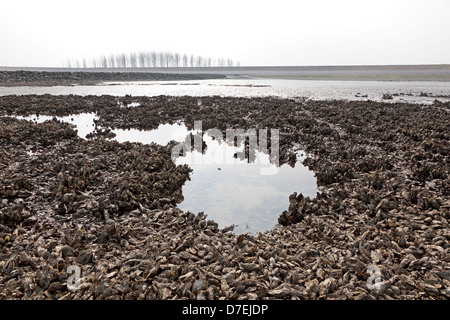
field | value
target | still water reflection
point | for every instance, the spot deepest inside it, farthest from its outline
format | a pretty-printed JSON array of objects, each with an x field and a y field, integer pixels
[
  {"x": 229, "y": 189},
  {"x": 403, "y": 91},
  {"x": 84, "y": 122}
]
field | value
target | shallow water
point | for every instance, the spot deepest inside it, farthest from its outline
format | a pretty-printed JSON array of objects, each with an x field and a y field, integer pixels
[
  {"x": 163, "y": 135},
  {"x": 312, "y": 89},
  {"x": 84, "y": 122},
  {"x": 230, "y": 190},
  {"x": 250, "y": 195}
]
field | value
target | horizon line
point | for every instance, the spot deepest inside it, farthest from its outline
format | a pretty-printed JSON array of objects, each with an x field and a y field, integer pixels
[{"x": 235, "y": 67}]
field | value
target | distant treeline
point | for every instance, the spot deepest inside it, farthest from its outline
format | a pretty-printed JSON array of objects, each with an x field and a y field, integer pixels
[{"x": 149, "y": 60}]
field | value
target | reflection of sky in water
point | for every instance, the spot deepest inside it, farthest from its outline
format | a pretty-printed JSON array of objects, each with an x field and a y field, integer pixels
[
  {"x": 241, "y": 193},
  {"x": 163, "y": 135},
  {"x": 229, "y": 190},
  {"x": 84, "y": 122},
  {"x": 285, "y": 88}
]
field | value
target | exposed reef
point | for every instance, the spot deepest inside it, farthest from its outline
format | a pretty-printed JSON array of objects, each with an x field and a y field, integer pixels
[
  {"x": 49, "y": 78},
  {"x": 110, "y": 208}
]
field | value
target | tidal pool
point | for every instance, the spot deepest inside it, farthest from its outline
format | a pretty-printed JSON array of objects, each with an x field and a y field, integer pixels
[
  {"x": 225, "y": 184},
  {"x": 162, "y": 135},
  {"x": 232, "y": 190},
  {"x": 84, "y": 122},
  {"x": 250, "y": 195}
]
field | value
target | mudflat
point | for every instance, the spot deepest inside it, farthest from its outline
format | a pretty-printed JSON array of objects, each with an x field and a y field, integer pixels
[
  {"x": 65, "y": 78},
  {"x": 110, "y": 208}
]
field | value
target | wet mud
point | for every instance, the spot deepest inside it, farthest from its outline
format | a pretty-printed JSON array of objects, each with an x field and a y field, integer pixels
[
  {"x": 48, "y": 78},
  {"x": 110, "y": 208}
]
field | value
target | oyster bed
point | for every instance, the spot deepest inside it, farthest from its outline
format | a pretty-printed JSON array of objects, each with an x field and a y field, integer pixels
[
  {"x": 110, "y": 208},
  {"x": 48, "y": 78}
]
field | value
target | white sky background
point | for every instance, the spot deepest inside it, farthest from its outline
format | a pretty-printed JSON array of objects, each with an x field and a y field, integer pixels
[{"x": 320, "y": 32}]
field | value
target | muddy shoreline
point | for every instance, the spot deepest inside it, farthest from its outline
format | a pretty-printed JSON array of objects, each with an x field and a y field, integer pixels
[
  {"x": 110, "y": 208},
  {"x": 48, "y": 78}
]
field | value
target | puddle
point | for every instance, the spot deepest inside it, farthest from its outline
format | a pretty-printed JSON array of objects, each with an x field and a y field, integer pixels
[
  {"x": 132, "y": 104},
  {"x": 250, "y": 195},
  {"x": 230, "y": 190},
  {"x": 163, "y": 135},
  {"x": 84, "y": 122},
  {"x": 224, "y": 184}
]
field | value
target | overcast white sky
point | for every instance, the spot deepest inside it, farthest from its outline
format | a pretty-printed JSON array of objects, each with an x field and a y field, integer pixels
[{"x": 319, "y": 32}]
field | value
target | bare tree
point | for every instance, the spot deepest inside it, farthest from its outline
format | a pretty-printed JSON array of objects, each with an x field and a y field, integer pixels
[
  {"x": 112, "y": 61},
  {"x": 133, "y": 60},
  {"x": 168, "y": 59},
  {"x": 160, "y": 59},
  {"x": 177, "y": 59},
  {"x": 151, "y": 59},
  {"x": 148, "y": 59},
  {"x": 154, "y": 58},
  {"x": 199, "y": 61},
  {"x": 103, "y": 62},
  {"x": 141, "y": 58},
  {"x": 94, "y": 63},
  {"x": 122, "y": 61}
]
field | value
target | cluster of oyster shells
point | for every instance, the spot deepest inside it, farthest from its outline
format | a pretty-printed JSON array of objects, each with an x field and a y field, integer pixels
[{"x": 110, "y": 208}]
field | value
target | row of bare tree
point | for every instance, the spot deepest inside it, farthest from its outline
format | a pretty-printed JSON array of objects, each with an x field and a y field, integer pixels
[{"x": 150, "y": 60}]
